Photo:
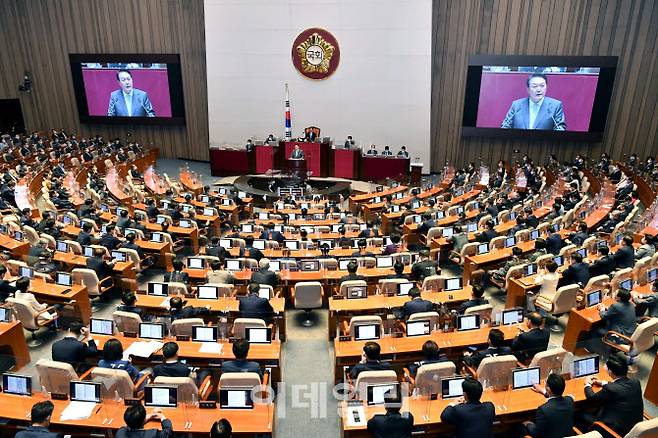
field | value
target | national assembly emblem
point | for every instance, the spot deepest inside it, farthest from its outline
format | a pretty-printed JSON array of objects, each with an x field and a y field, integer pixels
[{"x": 315, "y": 53}]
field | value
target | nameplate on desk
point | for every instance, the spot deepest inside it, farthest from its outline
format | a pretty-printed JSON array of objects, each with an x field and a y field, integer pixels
[
  {"x": 344, "y": 338},
  {"x": 182, "y": 337},
  {"x": 338, "y": 297},
  {"x": 208, "y": 404},
  {"x": 131, "y": 401},
  {"x": 58, "y": 396},
  {"x": 397, "y": 334},
  {"x": 130, "y": 334},
  {"x": 390, "y": 294}
]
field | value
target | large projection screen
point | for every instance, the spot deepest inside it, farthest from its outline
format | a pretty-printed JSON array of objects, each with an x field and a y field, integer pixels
[{"x": 379, "y": 94}]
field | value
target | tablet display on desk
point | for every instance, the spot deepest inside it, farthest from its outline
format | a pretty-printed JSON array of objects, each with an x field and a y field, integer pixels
[
  {"x": 585, "y": 366},
  {"x": 510, "y": 242},
  {"x": 275, "y": 265},
  {"x": 525, "y": 377},
  {"x": 187, "y": 208},
  {"x": 247, "y": 228},
  {"x": 242, "y": 195},
  {"x": 471, "y": 227},
  {"x": 384, "y": 262},
  {"x": 205, "y": 198},
  {"x": 5, "y": 314},
  {"x": 18, "y": 235},
  {"x": 225, "y": 243},
  {"x": 309, "y": 265},
  {"x": 377, "y": 393},
  {"x": 183, "y": 223},
  {"x": 157, "y": 237},
  {"x": 292, "y": 216},
  {"x": 64, "y": 279},
  {"x": 447, "y": 232},
  {"x": 452, "y": 387},
  {"x": 87, "y": 251},
  {"x": 208, "y": 212},
  {"x": 626, "y": 284},
  {"x": 559, "y": 260},
  {"x": 530, "y": 269},
  {"x": 99, "y": 326},
  {"x": 468, "y": 322},
  {"x": 440, "y": 214},
  {"x": 204, "y": 333},
  {"x": 263, "y": 216},
  {"x": 85, "y": 391},
  {"x": 342, "y": 264},
  {"x": 453, "y": 284},
  {"x": 652, "y": 274},
  {"x": 158, "y": 289},
  {"x": 149, "y": 330},
  {"x": 291, "y": 244},
  {"x": 534, "y": 234},
  {"x": 404, "y": 288},
  {"x": 278, "y": 228},
  {"x": 119, "y": 256},
  {"x": 26, "y": 271},
  {"x": 309, "y": 229},
  {"x": 356, "y": 292},
  {"x": 512, "y": 316},
  {"x": 264, "y": 292},
  {"x": 235, "y": 398},
  {"x": 105, "y": 208},
  {"x": 377, "y": 199},
  {"x": 593, "y": 298},
  {"x": 395, "y": 208},
  {"x": 336, "y": 228},
  {"x": 160, "y": 396},
  {"x": 418, "y": 219},
  {"x": 160, "y": 220},
  {"x": 226, "y": 202},
  {"x": 233, "y": 265},
  {"x": 582, "y": 252},
  {"x": 512, "y": 216},
  {"x": 196, "y": 263},
  {"x": 16, "y": 384},
  {"x": 207, "y": 292},
  {"x": 258, "y": 335},
  {"x": 62, "y": 246},
  {"x": 483, "y": 248},
  {"x": 418, "y": 328},
  {"x": 365, "y": 332}
]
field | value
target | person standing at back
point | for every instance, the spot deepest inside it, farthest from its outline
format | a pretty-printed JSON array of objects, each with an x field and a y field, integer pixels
[{"x": 472, "y": 417}]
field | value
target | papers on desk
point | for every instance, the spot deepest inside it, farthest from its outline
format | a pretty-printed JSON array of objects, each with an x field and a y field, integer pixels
[
  {"x": 356, "y": 416},
  {"x": 165, "y": 303},
  {"x": 142, "y": 349},
  {"x": 210, "y": 347},
  {"x": 77, "y": 410}
]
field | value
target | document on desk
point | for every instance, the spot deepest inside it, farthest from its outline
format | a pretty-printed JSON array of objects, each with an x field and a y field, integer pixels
[
  {"x": 210, "y": 347},
  {"x": 356, "y": 416},
  {"x": 142, "y": 349},
  {"x": 165, "y": 303},
  {"x": 77, "y": 410}
]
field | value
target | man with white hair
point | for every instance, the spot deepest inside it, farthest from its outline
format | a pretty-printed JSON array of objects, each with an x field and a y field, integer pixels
[{"x": 264, "y": 275}]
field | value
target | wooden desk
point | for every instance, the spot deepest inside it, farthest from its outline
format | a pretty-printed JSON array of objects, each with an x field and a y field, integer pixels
[
  {"x": 344, "y": 308},
  {"x": 512, "y": 406},
  {"x": 581, "y": 322},
  {"x": 54, "y": 293},
  {"x": 18, "y": 249},
  {"x": 404, "y": 350},
  {"x": 474, "y": 262},
  {"x": 124, "y": 272},
  {"x": 230, "y": 305},
  {"x": 12, "y": 338},
  {"x": 185, "y": 420}
]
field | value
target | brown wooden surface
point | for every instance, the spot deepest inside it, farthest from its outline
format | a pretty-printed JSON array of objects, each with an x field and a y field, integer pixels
[
  {"x": 54, "y": 293},
  {"x": 624, "y": 28},
  {"x": 13, "y": 337}
]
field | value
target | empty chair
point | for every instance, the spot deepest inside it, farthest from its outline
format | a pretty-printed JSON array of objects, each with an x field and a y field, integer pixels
[
  {"x": 554, "y": 360},
  {"x": 177, "y": 288},
  {"x": 562, "y": 302},
  {"x": 308, "y": 296},
  {"x": 433, "y": 283},
  {"x": 126, "y": 322},
  {"x": 241, "y": 324},
  {"x": 432, "y": 317},
  {"x": 55, "y": 376},
  {"x": 428, "y": 377},
  {"x": 484, "y": 310},
  {"x": 117, "y": 381},
  {"x": 497, "y": 242},
  {"x": 95, "y": 286},
  {"x": 187, "y": 389},
  {"x": 183, "y": 327},
  {"x": 367, "y": 378},
  {"x": 390, "y": 285},
  {"x": 328, "y": 264},
  {"x": 75, "y": 246},
  {"x": 494, "y": 372},
  {"x": 32, "y": 319},
  {"x": 363, "y": 320},
  {"x": 598, "y": 282}
]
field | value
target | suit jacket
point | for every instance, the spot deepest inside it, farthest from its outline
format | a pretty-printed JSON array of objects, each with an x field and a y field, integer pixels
[
  {"x": 370, "y": 365},
  {"x": 251, "y": 252},
  {"x": 603, "y": 266},
  {"x": 625, "y": 257},
  {"x": 265, "y": 277},
  {"x": 646, "y": 250},
  {"x": 241, "y": 366},
  {"x": 477, "y": 357},
  {"x": 472, "y": 419},
  {"x": 471, "y": 303},
  {"x": 620, "y": 317},
  {"x": 391, "y": 425},
  {"x": 532, "y": 221},
  {"x": 174, "y": 369},
  {"x": 529, "y": 343},
  {"x": 221, "y": 277},
  {"x": 189, "y": 312},
  {"x": 550, "y": 116},
  {"x": 554, "y": 244},
  {"x": 423, "y": 269},
  {"x": 272, "y": 235},
  {"x": 415, "y": 306},
  {"x": 554, "y": 419},
  {"x": 576, "y": 273},
  {"x": 177, "y": 277},
  {"x": 253, "y": 306},
  {"x": 100, "y": 266},
  {"x": 297, "y": 154},
  {"x": 73, "y": 351},
  {"x": 166, "y": 432},
  {"x": 36, "y": 432},
  {"x": 351, "y": 277},
  {"x": 141, "y": 105},
  {"x": 621, "y": 404}
]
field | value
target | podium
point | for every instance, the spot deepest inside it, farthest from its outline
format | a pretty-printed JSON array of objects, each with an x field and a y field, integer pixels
[
  {"x": 296, "y": 167},
  {"x": 317, "y": 155},
  {"x": 346, "y": 163},
  {"x": 416, "y": 173}
]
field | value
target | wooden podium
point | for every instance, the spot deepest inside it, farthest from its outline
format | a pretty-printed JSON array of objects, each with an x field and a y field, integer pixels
[
  {"x": 416, "y": 173},
  {"x": 296, "y": 167}
]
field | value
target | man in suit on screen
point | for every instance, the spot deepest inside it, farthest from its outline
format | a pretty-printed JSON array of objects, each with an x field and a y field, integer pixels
[
  {"x": 129, "y": 101},
  {"x": 535, "y": 111}
]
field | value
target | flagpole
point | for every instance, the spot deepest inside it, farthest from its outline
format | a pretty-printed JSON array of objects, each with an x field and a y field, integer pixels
[{"x": 288, "y": 121}]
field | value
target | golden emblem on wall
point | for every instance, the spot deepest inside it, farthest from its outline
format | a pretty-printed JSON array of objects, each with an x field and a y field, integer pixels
[{"x": 315, "y": 53}]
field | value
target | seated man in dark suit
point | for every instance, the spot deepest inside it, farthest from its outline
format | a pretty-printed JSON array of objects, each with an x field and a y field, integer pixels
[
  {"x": 241, "y": 364},
  {"x": 604, "y": 265},
  {"x": 554, "y": 419},
  {"x": 249, "y": 251},
  {"x": 71, "y": 350},
  {"x": 393, "y": 424},
  {"x": 471, "y": 417},
  {"x": 530, "y": 342},
  {"x": 361, "y": 252},
  {"x": 178, "y": 311},
  {"x": 271, "y": 234},
  {"x": 621, "y": 403},
  {"x": 128, "y": 300},
  {"x": 253, "y": 306},
  {"x": 352, "y": 267},
  {"x": 554, "y": 243},
  {"x": 398, "y": 268},
  {"x": 264, "y": 275},
  {"x": 428, "y": 222},
  {"x": 109, "y": 240},
  {"x": 85, "y": 236},
  {"x": 177, "y": 275},
  {"x": 98, "y": 264},
  {"x": 135, "y": 418},
  {"x": 580, "y": 236},
  {"x": 6, "y": 289},
  {"x": 431, "y": 354},
  {"x": 488, "y": 234},
  {"x": 620, "y": 317},
  {"x": 40, "y": 420},
  {"x": 424, "y": 267},
  {"x": 151, "y": 211},
  {"x": 625, "y": 256},
  {"x": 343, "y": 242},
  {"x": 171, "y": 367},
  {"x": 477, "y": 299},
  {"x": 369, "y": 361},
  {"x": 577, "y": 272},
  {"x": 130, "y": 244},
  {"x": 531, "y": 220},
  {"x": 415, "y": 305},
  {"x": 496, "y": 347}
]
